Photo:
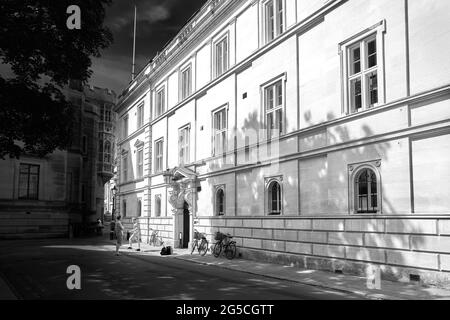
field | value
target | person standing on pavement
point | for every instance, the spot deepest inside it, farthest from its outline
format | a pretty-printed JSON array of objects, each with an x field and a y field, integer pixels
[
  {"x": 119, "y": 234},
  {"x": 135, "y": 234}
]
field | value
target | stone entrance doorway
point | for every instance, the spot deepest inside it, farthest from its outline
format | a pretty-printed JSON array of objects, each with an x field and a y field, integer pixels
[{"x": 182, "y": 185}]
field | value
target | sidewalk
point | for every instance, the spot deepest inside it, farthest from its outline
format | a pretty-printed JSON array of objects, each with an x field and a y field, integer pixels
[{"x": 326, "y": 280}]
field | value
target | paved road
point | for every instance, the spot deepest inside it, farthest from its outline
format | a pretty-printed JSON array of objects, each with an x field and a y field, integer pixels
[{"x": 37, "y": 270}]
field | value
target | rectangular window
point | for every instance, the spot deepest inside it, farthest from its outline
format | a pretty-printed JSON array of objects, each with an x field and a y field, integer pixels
[
  {"x": 273, "y": 105},
  {"x": 140, "y": 116},
  {"x": 221, "y": 57},
  {"x": 183, "y": 145},
  {"x": 158, "y": 205},
  {"x": 140, "y": 163},
  {"x": 363, "y": 75},
  {"x": 274, "y": 19},
  {"x": 125, "y": 169},
  {"x": 139, "y": 207},
  {"x": 186, "y": 83},
  {"x": 28, "y": 181},
  {"x": 125, "y": 127},
  {"x": 159, "y": 156},
  {"x": 220, "y": 128},
  {"x": 160, "y": 102}
]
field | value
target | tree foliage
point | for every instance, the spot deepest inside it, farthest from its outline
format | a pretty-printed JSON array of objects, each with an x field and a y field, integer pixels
[{"x": 44, "y": 55}]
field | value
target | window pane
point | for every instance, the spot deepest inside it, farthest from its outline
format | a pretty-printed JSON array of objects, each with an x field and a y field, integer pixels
[
  {"x": 225, "y": 55},
  {"x": 220, "y": 202},
  {"x": 279, "y": 93},
  {"x": 224, "y": 141},
  {"x": 270, "y": 21},
  {"x": 224, "y": 120},
  {"x": 269, "y": 98},
  {"x": 34, "y": 169},
  {"x": 372, "y": 53},
  {"x": 356, "y": 60},
  {"x": 366, "y": 188},
  {"x": 33, "y": 187},
  {"x": 372, "y": 84},
  {"x": 270, "y": 124},
  {"x": 23, "y": 186},
  {"x": 356, "y": 94},
  {"x": 185, "y": 86},
  {"x": 280, "y": 22},
  {"x": 275, "y": 198},
  {"x": 279, "y": 119}
]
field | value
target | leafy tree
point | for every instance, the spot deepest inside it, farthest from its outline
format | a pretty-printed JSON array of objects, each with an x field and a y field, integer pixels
[{"x": 43, "y": 55}]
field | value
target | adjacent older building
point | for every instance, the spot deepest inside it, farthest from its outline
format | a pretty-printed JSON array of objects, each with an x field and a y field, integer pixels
[
  {"x": 40, "y": 197},
  {"x": 315, "y": 132}
]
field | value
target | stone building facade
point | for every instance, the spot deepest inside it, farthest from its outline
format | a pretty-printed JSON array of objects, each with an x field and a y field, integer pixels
[
  {"x": 39, "y": 197},
  {"x": 315, "y": 132}
]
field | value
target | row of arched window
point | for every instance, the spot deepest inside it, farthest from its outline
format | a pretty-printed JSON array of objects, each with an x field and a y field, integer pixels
[{"x": 366, "y": 195}]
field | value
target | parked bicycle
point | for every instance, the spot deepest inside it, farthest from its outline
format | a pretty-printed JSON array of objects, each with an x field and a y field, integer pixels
[
  {"x": 226, "y": 244},
  {"x": 200, "y": 243},
  {"x": 155, "y": 239}
]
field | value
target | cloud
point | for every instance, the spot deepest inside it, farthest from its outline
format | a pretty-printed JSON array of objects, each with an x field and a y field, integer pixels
[
  {"x": 154, "y": 14},
  {"x": 148, "y": 11},
  {"x": 158, "y": 22}
]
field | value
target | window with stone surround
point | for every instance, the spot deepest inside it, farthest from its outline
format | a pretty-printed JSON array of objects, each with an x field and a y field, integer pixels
[
  {"x": 183, "y": 145},
  {"x": 160, "y": 103},
  {"x": 274, "y": 101},
  {"x": 158, "y": 205},
  {"x": 365, "y": 188},
  {"x": 125, "y": 127},
  {"x": 29, "y": 181},
  {"x": 221, "y": 56},
  {"x": 363, "y": 70},
  {"x": 186, "y": 82},
  {"x": 139, "y": 207},
  {"x": 219, "y": 202},
  {"x": 220, "y": 131},
  {"x": 125, "y": 168},
  {"x": 140, "y": 162},
  {"x": 274, "y": 196},
  {"x": 140, "y": 116},
  {"x": 159, "y": 155},
  {"x": 274, "y": 19}
]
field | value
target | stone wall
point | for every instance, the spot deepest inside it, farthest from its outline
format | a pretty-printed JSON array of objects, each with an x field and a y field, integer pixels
[
  {"x": 164, "y": 226},
  {"x": 36, "y": 224},
  {"x": 402, "y": 246}
]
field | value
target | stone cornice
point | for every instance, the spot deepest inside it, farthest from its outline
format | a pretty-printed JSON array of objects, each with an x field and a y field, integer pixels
[{"x": 195, "y": 29}]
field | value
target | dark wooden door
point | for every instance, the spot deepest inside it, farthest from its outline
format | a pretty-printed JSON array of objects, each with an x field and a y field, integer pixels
[{"x": 186, "y": 225}]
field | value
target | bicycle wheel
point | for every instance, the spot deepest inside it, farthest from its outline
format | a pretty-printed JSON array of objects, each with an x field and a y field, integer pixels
[
  {"x": 194, "y": 245},
  {"x": 230, "y": 250},
  {"x": 203, "y": 249},
  {"x": 217, "y": 249}
]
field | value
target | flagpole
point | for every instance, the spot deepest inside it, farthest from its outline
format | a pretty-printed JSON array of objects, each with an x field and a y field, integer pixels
[{"x": 134, "y": 45}]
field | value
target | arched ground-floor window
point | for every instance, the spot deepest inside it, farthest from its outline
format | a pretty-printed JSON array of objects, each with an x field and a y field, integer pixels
[
  {"x": 220, "y": 201},
  {"x": 365, "y": 189},
  {"x": 274, "y": 196}
]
